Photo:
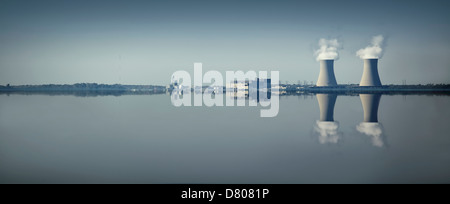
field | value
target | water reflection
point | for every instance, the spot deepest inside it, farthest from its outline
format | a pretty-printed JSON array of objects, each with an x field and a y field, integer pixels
[
  {"x": 216, "y": 96},
  {"x": 370, "y": 126},
  {"x": 66, "y": 139},
  {"x": 326, "y": 128}
]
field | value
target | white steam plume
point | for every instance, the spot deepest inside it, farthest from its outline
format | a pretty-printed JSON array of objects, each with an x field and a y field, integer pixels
[
  {"x": 374, "y": 51},
  {"x": 328, "y": 49}
]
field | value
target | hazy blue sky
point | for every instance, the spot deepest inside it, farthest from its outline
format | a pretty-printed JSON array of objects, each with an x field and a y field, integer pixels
[{"x": 144, "y": 42}]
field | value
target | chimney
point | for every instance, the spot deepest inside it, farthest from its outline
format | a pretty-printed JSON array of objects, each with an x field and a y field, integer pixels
[
  {"x": 326, "y": 75},
  {"x": 370, "y": 75}
]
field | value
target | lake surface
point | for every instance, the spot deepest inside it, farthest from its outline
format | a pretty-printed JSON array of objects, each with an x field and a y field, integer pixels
[{"x": 322, "y": 138}]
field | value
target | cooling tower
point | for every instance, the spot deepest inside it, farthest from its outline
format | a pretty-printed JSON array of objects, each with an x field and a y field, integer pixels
[
  {"x": 326, "y": 106},
  {"x": 370, "y": 75},
  {"x": 326, "y": 75}
]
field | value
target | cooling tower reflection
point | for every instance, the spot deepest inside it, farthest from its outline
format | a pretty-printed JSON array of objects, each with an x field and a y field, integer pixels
[
  {"x": 370, "y": 125},
  {"x": 326, "y": 128}
]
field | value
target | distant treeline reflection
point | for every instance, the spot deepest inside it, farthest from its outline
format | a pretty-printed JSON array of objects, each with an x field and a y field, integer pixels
[
  {"x": 94, "y": 89},
  {"x": 83, "y": 89}
]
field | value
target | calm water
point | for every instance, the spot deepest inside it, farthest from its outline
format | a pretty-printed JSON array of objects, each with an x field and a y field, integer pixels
[{"x": 144, "y": 139}]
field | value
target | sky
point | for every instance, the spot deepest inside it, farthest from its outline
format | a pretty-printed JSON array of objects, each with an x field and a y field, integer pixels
[{"x": 144, "y": 42}]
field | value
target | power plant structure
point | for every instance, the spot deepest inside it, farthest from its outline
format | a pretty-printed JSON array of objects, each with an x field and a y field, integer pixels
[
  {"x": 326, "y": 75},
  {"x": 326, "y": 127},
  {"x": 370, "y": 75},
  {"x": 370, "y": 125}
]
